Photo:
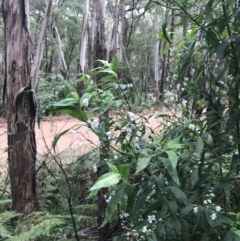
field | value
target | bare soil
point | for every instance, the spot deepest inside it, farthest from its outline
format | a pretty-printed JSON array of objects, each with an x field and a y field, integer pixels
[{"x": 50, "y": 128}]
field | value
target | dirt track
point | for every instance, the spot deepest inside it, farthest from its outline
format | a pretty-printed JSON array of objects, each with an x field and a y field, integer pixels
[
  {"x": 51, "y": 127},
  {"x": 46, "y": 133}
]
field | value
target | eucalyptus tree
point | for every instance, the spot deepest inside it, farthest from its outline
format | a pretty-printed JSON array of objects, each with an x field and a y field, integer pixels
[{"x": 20, "y": 82}]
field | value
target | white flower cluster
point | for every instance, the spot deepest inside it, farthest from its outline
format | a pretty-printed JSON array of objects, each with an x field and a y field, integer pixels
[
  {"x": 85, "y": 102},
  {"x": 94, "y": 124},
  {"x": 124, "y": 215},
  {"x": 95, "y": 168},
  {"x": 131, "y": 116},
  {"x": 108, "y": 135},
  {"x": 151, "y": 218}
]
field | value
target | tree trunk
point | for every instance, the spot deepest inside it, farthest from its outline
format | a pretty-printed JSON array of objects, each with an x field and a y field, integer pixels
[
  {"x": 164, "y": 59},
  {"x": 81, "y": 61},
  {"x": 156, "y": 55},
  {"x": 100, "y": 51},
  {"x": 20, "y": 82},
  {"x": 20, "y": 105},
  {"x": 115, "y": 34},
  {"x": 63, "y": 65}
]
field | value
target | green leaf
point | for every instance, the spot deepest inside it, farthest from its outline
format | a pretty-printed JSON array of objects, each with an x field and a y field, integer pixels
[
  {"x": 115, "y": 65},
  {"x": 221, "y": 51},
  {"x": 124, "y": 170},
  {"x": 109, "y": 180},
  {"x": 172, "y": 172},
  {"x": 132, "y": 192},
  {"x": 199, "y": 145},
  {"x": 236, "y": 231},
  {"x": 173, "y": 206},
  {"x": 231, "y": 122},
  {"x": 143, "y": 160},
  {"x": 86, "y": 96},
  {"x": 5, "y": 201},
  {"x": 185, "y": 230},
  {"x": 179, "y": 194},
  {"x": 113, "y": 167},
  {"x": 172, "y": 156},
  {"x": 185, "y": 211},
  {"x": 70, "y": 110},
  {"x": 164, "y": 29},
  {"x": 66, "y": 102},
  {"x": 57, "y": 137},
  {"x": 113, "y": 205}
]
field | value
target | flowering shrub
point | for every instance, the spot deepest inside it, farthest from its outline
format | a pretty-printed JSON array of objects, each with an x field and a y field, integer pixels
[{"x": 176, "y": 185}]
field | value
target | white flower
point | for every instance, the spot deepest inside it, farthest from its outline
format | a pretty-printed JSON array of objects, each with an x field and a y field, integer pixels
[
  {"x": 131, "y": 116},
  {"x": 129, "y": 130},
  {"x": 213, "y": 216},
  {"x": 95, "y": 124},
  {"x": 144, "y": 229},
  {"x": 108, "y": 135},
  {"x": 129, "y": 85},
  {"x": 151, "y": 218},
  {"x": 153, "y": 99},
  {"x": 184, "y": 102},
  {"x": 178, "y": 86},
  {"x": 146, "y": 135},
  {"x": 94, "y": 168},
  {"x": 100, "y": 91},
  {"x": 195, "y": 209},
  {"x": 192, "y": 127},
  {"x": 207, "y": 201},
  {"x": 108, "y": 199},
  {"x": 115, "y": 157},
  {"x": 85, "y": 102},
  {"x": 218, "y": 208},
  {"x": 174, "y": 76},
  {"x": 79, "y": 144},
  {"x": 172, "y": 98},
  {"x": 165, "y": 101},
  {"x": 115, "y": 86},
  {"x": 182, "y": 89}
]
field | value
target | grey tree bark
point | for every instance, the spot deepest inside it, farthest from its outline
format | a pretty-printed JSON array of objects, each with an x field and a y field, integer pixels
[{"x": 19, "y": 100}]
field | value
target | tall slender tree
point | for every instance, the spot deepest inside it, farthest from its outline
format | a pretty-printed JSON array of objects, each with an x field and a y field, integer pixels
[{"x": 20, "y": 81}]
